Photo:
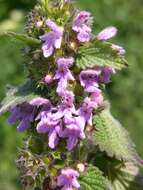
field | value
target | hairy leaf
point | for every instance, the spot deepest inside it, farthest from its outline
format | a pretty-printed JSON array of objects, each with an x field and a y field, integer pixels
[
  {"x": 99, "y": 54},
  {"x": 18, "y": 95},
  {"x": 112, "y": 138},
  {"x": 93, "y": 179},
  {"x": 125, "y": 177},
  {"x": 23, "y": 38}
]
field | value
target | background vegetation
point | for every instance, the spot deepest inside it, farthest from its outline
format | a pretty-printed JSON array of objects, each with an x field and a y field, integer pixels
[{"x": 125, "y": 91}]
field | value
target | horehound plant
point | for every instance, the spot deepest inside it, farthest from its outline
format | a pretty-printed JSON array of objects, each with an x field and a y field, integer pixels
[{"x": 72, "y": 140}]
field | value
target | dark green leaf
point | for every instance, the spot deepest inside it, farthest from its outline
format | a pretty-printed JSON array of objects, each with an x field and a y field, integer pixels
[
  {"x": 18, "y": 95},
  {"x": 99, "y": 54},
  {"x": 112, "y": 138},
  {"x": 93, "y": 179},
  {"x": 23, "y": 38}
]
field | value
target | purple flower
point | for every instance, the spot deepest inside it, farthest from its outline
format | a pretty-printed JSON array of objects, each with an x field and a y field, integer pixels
[
  {"x": 63, "y": 73},
  {"x": 52, "y": 39},
  {"x": 97, "y": 98},
  {"x": 50, "y": 123},
  {"x": 89, "y": 79},
  {"x": 23, "y": 114},
  {"x": 67, "y": 180},
  {"x": 119, "y": 49},
  {"x": 81, "y": 26},
  {"x": 86, "y": 110},
  {"x": 89, "y": 104},
  {"x": 107, "y": 33},
  {"x": 106, "y": 74},
  {"x": 67, "y": 103},
  {"x": 73, "y": 130}
]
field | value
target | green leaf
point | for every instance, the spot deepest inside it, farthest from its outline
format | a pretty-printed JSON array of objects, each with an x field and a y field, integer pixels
[
  {"x": 93, "y": 179},
  {"x": 18, "y": 95},
  {"x": 112, "y": 138},
  {"x": 22, "y": 37},
  {"x": 125, "y": 177},
  {"x": 99, "y": 54}
]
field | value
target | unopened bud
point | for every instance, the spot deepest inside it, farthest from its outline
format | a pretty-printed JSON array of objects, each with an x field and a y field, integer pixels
[
  {"x": 81, "y": 167},
  {"x": 48, "y": 79},
  {"x": 39, "y": 24},
  {"x": 73, "y": 45}
]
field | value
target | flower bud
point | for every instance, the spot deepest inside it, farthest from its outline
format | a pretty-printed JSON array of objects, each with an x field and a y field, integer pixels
[
  {"x": 39, "y": 24},
  {"x": 48, "y": 79},
  {"x": 81, "y": 167}
]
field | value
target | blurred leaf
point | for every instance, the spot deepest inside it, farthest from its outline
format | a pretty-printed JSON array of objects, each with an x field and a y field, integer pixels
[
  {"x": 22, "y": 37},
  {"x": 112, "y": 138},
  {"x": 18, "y": 95},
  {"x": 99, "y": 54},
  {"x": 126, "y": 177},
  {"x": 93, "y": 179}
]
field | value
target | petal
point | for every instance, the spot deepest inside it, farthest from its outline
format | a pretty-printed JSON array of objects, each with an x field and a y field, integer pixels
[
  {"x": 75, "y": 183},
  {"x": 70, "y": 76},
  {"x": 42, "y": 127},
  {"x": 62, "y": 84},
  {"x": 53, "y": 26},
  {"x": 47, "y": 51},
  {"x": 23, "y": 126},
  {"x": 107, "y": 33},
  {"x": 71, "y": 142},
  {"x": 44, "y": 37},
  {"x": 53, "y": 139},
  {"x": 58, "y": 43},
  {"x": 39, "y": 101},
  {"x": 119, "y": 49},
  {"x": 66, "y": 187},
  {"x": 81, "y": 122},
  {"x": 84, "y": 36}
]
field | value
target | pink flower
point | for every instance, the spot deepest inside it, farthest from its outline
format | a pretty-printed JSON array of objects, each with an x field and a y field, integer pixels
[{"x": 107, "y": 33}]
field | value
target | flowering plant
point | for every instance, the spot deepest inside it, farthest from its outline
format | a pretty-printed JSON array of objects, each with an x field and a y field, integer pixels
[{"x": 72, "y": 140}]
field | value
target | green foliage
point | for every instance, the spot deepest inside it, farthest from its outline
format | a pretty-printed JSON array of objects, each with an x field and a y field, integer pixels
[
  {"x": 93, "y": 179},
  {"x": 99, "y": 54},
  {"x": 126, "y": 177},
  {"x": 22, "y": 37},
  {"x": 112, "y": 138},
  {"x": 125, "y": 90},
  {"x": 17, "y": 96}
]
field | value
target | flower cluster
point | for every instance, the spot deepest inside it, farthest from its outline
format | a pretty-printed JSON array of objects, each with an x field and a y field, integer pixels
[{"x": 67, "y": 121}]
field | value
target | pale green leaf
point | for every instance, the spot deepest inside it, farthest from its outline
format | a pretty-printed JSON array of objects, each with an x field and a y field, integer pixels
[
  {"x": 99, "y": 54},
  {"x": 112, "y": 138},
  {"x": 125, "y": 177}
]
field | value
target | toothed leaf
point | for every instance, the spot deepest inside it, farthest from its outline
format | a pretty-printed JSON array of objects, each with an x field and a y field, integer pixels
[
  {"x": 125, "y": 177},
  {"x": 112, "y": 138},
  {"x": 99, "y": 54},
  {"x": 93, "y": 179}
]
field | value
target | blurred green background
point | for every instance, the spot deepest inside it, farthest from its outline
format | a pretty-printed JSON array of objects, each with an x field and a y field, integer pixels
[{"x": 125, "y": 92}]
